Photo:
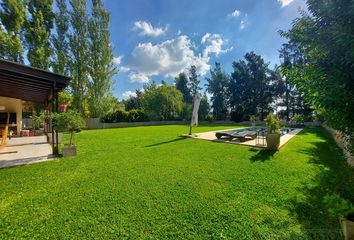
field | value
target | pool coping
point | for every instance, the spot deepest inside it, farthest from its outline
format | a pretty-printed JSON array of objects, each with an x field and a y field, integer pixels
[{"x": 210, "y": 136}]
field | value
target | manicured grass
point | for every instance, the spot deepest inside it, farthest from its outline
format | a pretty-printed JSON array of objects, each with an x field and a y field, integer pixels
[{"x": 147, "y": 183}]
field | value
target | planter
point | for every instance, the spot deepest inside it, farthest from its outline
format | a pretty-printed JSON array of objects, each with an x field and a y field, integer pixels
[
  {"x": 273, "y": 141},
  {"x": 69, "y": 150},
  {"x": 348, "y": 228}
]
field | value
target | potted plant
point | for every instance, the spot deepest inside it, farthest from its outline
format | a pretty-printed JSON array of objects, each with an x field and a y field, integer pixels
[
  {"x": 38, "y": 121},
  {"x": 344, "y": 209},
  {"x": 72, "y": 122},
  {"x": 273, "y": 132}
]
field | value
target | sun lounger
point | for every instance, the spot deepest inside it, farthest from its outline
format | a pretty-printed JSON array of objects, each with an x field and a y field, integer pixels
[{"x": 242, "y": 136}]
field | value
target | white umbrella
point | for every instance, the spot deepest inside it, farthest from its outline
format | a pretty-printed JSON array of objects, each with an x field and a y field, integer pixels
[{"x": 194, "y": 120}]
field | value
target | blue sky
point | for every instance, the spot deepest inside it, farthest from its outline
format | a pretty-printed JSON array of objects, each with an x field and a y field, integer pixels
[{"x": 157, "y": 39}]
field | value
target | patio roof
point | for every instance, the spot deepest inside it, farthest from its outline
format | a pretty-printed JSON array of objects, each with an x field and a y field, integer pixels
[{"x": 28, "y": 83}]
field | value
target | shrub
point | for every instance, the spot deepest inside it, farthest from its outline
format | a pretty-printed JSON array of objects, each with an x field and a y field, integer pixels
[
  {"x": 124, "y": 116},
  {"x": 70, "y": 121},
  {"x": 273, "y": 124},
  {"x": 136, "y": 115}
]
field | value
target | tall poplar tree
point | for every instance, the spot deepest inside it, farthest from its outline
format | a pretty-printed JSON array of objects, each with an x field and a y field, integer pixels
[
  {"x": 181, "y": 83},
  {"x": 217, "y": 87},
  {"x": 101, "y": 67},
  {"x": 38, "y": 30},
  {"x": 78, "y": 43},
  {"x": 12, "y": 17},
  {"x": 60, "y": 40},
  {"x": 193, "y": 80}
]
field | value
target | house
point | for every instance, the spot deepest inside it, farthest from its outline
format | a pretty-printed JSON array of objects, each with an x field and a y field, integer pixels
[{"x": 21, "y": 84}]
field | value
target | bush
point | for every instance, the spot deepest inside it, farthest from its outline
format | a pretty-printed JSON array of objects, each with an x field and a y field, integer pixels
[
  {"x": 273, "y": 124},
  {"x": 70, "y": 121},
  {"x": 124, "y": 116},
  {"x": 186, "y": 113}
]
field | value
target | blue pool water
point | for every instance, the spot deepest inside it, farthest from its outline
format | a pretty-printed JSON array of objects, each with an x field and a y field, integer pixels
[{"x": 262, "y": 131}]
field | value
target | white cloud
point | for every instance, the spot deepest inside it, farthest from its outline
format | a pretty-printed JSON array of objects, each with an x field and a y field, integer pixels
[
  {"x": 128, "y": 94},
  {"x": 123, "y": 69},
  {"x": 117, "y": 60},
  {"x": 138, "y": 77},
  {"x": 235, "y": 14},
  {"x": 244, "y": 22},
  {"x": 146, "y": 29},
  {"x": 170, "y": 57},
  {"x": 215, "y": 43},
  {"x": 285, "y": 2},
  {"x": 167, "y": 58}
]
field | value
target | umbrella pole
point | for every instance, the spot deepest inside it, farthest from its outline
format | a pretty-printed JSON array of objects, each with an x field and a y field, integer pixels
[{"x": 190, "y": 130}]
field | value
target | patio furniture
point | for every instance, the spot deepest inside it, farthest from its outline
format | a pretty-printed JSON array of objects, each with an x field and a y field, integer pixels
[{"x": 242, "y": 136}]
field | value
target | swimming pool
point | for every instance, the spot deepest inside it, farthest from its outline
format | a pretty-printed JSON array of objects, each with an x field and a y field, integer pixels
[{"x": 261, "y": 131}]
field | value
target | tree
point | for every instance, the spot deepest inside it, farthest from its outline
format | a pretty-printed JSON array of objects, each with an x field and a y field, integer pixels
[
  {"x": 181, "y": 83},
  {"x": 193, "y": 80},
  {"x": 101, "y": 67},
  {"x": 162, "y": 103},
  {"x": 204, "y": 108},
  {"x": 60, "y": 40},
  {"x": 250, "y": 87},
  {"x": 326, "y": 78},
  {"x": 12, "y": 16},
  {"x": 78, "y": 43},
  {"x": 217, "y": 87},
  {"x": 134, "y": 102},
  {"x": 38, "y": 29}
]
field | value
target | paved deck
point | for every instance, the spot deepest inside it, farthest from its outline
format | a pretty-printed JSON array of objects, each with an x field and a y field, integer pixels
[
  {"x": 252, "y": 143},
  {"x": 26, "y": 150}
]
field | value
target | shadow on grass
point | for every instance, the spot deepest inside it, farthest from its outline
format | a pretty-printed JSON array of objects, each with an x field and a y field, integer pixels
[
  {"x": 166, "y": 142},
  {"x": 334, "y": 176},
  {"x": 262, "y": 155}
]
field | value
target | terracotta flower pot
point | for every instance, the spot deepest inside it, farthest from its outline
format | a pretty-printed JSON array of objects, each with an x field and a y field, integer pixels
[{"x": 273, "y": 141}]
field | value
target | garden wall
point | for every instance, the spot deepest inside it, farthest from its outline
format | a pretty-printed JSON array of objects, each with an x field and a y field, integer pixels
[
  {"x": 340, "y": 140},
  {"x": 94, "y": 123}
]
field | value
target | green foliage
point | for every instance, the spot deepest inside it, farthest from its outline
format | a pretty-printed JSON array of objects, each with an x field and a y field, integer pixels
[
  {"x": 65, "y": 98},
  {"x": 193, "y": 81},
  {"x": 249, "y": 87},
  {"x": 298, "y": 118},
  {"x": 182, "y": 84},
  {"x": 38, "y": 30},
  {"x": 120, "y": 115},
  {"x": 101, "y": 67},
  {"x": 60, "y": 40},
  {"x": 272, "y": 122},
  {"x": 80, "y": 54},
  {"x": 217, "y": 87},
  {"x": 325, "y": 38},
  {"x": 162, "y": 103},
  {"x": 70, "y": 121},
  {"x": 338, "y": 206},
  {"x": 186, "y": 113},
  {"x": 38, "y": 120},
  {"x": 12, "y": 16},
  {"x": 204, "y": 109}
]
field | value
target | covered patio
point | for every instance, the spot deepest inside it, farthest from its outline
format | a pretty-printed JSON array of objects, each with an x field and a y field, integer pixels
[{"x": 20, "y": 83}]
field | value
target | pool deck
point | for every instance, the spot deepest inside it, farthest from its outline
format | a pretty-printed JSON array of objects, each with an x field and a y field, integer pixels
[{"x": 210, "y": 136}]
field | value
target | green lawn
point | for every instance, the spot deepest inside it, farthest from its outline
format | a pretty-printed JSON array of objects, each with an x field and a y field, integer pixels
[{"x": 146, "y": 183}]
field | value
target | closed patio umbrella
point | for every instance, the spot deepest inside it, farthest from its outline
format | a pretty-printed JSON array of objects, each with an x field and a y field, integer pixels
[{"x": 194, "y": 120}]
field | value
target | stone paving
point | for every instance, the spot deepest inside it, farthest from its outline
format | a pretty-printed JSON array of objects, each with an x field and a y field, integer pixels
[
  {"x": 252, "y": 143},
  {"x": 25, "y": 150}
]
